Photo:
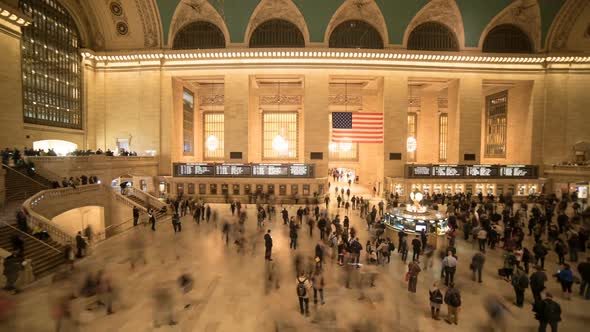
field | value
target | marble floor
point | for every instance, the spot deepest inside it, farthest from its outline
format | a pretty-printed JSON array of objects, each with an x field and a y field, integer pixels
[{"x": 229, "y": 292}]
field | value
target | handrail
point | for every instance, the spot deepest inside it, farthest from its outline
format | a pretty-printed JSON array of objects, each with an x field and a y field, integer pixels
[
  {"x": 32, "y": 237},
  {"x": 22, "y": 174}
]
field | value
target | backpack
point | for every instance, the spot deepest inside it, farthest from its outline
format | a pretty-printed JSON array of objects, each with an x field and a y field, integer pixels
[
  {"x": 301, "y": 289},
  {"x": 455, "y": 299}
]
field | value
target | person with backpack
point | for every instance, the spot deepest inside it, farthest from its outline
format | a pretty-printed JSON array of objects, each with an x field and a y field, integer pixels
[
  {"x": 453, "y": 301},
  {"x": 356, "y": 247},
  {"x": 547, "y": 312},
  {"x": 520, "y": 282},
  {"x": 303, "y": 287},
  {"x": 436, "y": 299}
]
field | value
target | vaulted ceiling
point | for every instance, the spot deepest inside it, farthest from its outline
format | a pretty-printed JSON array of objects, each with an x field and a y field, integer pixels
[{"x": 136, "y": 24}]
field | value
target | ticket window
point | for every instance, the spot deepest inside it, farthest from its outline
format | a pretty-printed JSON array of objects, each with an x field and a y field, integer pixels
[
  {"x": 479, "y": 189},
  {"x": 236, "y": 189},
  {"x": 191, "y": 188},
  {"x": 282, "y": 190},
  {"x": 448, "y": 189},
  {"x": 533, "y": 189},
  {"x": 247, "y": 189},
  {"x": 437, "y": 189},
  {"x": 522, "y": 190},
  {"x": 202, "y": 189},
  {"x": 225, "y": 189},
  {"x": 426, "y": 189},
  {"x": 416, "y": 187},
  {"x": 213, "y": 189},
  {"x": 259, "y": 189},
  {"x": 511, "y": 190},
  {"x": 180, "y": 188},
  {"x": 490, "y": 189},
  {"x": 305, "y": 190},
  {"x": 469, "y": 189},
  {"x": 294, "y": 189},
  {"x": 271, "y": 189},
  {"x": 459, "y": 189},
  {"x": 500, "y": 190}
]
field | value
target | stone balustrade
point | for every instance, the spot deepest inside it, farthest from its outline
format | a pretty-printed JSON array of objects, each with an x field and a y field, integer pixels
[{"x": 104, "y": 167}]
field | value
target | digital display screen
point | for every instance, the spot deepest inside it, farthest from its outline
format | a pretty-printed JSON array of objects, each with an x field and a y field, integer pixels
[
  {"x": 472, "y": 171},
  {"x": 243, "y": 170},
  {"x": 194, "y": 169}
]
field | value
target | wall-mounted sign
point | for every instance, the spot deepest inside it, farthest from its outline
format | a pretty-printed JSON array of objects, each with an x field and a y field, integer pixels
[
  {"x": 472, "y": 171},
  {"x": 243, "y": 170}
]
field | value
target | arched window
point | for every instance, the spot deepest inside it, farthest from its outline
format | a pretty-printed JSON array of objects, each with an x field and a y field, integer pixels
[
  {"x": 432, "y": 36},
  {"x": 507, "y": 38},
  {"x": 356, "y": 34},
  {"x": 199, "y": 35},
  {"x": 51, "y": 66},
  {"x": 276, "y": 33}
]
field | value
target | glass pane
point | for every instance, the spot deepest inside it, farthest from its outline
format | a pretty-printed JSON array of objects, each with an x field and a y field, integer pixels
[
  {"x": 280, "y": 130},
  {"x": 213, "y": 135},
  {"x": 188, "y": 123}
]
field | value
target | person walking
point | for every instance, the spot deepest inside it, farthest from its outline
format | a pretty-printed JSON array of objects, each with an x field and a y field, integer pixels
[
  {"x": 482, "y": 236},
  {"x": 537, "y": 283},
  {"x": 267, "y": 246},
  {"x": 303, "y": 287},
  {"x": 477, "y": 262},
  {"x": 403, "y": 246},
  {"x": 540, "y": 252},
  {"x": 293, "y": 236},
  {"x": 317, "y": 282},
  {"x": 322, "y": 227},
  {"x": 548, "y": 313},
  {"x": 565, "y": 276},
  {"x": 436, "y": 299},
  {"x": 584, "y": 270},
  {"x": 135, "y": 215},
  {"x": 449, "y": 264},
  {"x": 520, "y": 282},
  {"x": 152, "y": 219},
  {"x": 176, "y": 223},
  {"x": 413, "y": 271},
  {"x": 453, "y": 301},
  {"x": 416, "y": 247}
]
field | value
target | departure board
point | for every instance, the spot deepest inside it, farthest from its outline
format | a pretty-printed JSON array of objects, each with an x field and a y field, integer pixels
[
  {"x": 194, "y": 169},
  {"x": 472, "y": 171},
  {"x": 243, "y": 170}
]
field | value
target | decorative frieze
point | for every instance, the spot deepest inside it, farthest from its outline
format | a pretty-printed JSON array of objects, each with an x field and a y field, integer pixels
[
  {"x": 212, "y": 100},
  {"x": 346, "y": 100},
  {"x": 280, "y": 100},
  {"x": 443, "y": 103},
  {"x": 414, "y": 102}
]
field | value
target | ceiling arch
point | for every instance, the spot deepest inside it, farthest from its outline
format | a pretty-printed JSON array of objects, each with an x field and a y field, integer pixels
[
  {"x": 525, "y": 14},
  {"x": 276, "y": 9},
  {"x": 363, "y": 10},
  {"x": 199, "y": 10},
  {"x": 445, "y": 12}
]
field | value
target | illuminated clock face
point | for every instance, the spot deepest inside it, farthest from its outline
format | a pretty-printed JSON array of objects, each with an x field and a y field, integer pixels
[
  {"x": 212, "y": 143},
  {"x": 411, "y": 144}
]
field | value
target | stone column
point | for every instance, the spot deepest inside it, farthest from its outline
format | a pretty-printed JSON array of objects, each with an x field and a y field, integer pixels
[
  {"x": 469, "y": 118},
  {"x": 237, "y": 94},
  {"x": 395, "y": 111},
  {"x": 316, "y": 120}
]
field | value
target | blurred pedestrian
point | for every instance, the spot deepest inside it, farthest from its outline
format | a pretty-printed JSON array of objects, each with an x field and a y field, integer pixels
[
  {"x": 453, "y": 301},
  {"x": 436, "y": 299}
]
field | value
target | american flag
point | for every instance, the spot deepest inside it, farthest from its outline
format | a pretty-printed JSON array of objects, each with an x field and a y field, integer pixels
[{"x": 357, "y": 127}]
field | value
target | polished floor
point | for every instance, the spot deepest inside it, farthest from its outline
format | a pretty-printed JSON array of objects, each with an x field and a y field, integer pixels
[{"x": 229, "y": 292}]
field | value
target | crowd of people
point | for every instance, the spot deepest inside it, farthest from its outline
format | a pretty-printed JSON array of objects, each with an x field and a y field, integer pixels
[{"x": 17, "y": 157}]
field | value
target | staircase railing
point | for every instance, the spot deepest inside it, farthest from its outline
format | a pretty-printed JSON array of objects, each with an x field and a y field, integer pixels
[
  {"x": 57, "y": 233},
  {"x": 24, "y": 175},
  {"x": 147, "y": 198},
  {"x": 32, "y": 237}
]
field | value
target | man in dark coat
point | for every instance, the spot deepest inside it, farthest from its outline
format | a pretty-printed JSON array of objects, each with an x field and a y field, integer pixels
[
  {"x": 416, "y": 246},
  {"x": 267, "y": 246},
  {"x": 135, "y": 215},
  {"x": 547, "y": 312},
  {"x": 584, "y": 269},
  {"x": 520, "y": 282},
  {"x": 537, "y": 281},
  {"x": 477, "y": 263},
  {"x": 80, "y": 245}
]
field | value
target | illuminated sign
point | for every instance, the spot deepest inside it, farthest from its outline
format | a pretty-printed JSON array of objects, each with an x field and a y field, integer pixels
[
  {"x": 243, "y": 170},
  {"x": 472, "y": 171}
]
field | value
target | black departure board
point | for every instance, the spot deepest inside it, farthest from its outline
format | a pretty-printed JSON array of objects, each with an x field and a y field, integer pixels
[
  {"x": 243, "y": 170},
  {"x": 472, "y": 171},
  {"x": 193, "y": 169}
]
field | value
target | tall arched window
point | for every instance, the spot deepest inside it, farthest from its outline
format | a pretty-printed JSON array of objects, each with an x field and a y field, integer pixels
[
  {"x": 507, "y": 38},
  {"x": 277, "y": 33},
  {"x": 432, "y": 36},
  {"x": 51, "y": 66},
  {"x": 199, "y": 35},
  {"x": 356, "y": 34}
]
